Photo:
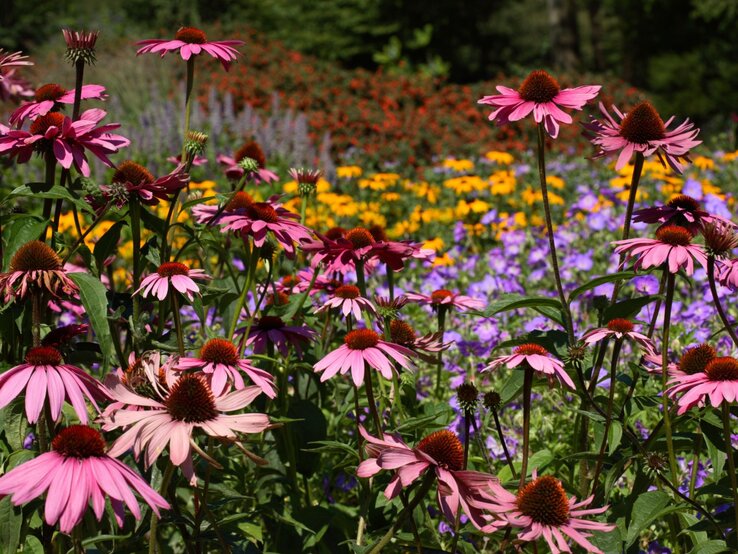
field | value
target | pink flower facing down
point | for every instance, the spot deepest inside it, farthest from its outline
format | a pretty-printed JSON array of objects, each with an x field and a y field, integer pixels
[
  {"x": 672, "y": 246},
  {"x": 536, "y": 357},
  {"x": 440, "y": 452},
  {"x": 542, "y": 509},
  {"x": 270, "y": 329},
  {"x": 45, "y": 375},
  {"x": 363, "y": 347},
  {"x": 443, "y": 298},
  {"x": 76, "y": 471},
  {"x": 131, "y": 178},
  {"x": 541, "y": 94},
  {"x": 234, "y": 166},
  {"x": 682, "y": 210},
  {"x": 221, "y": 365},
  {"x": 727, "y": 273},
  {"x": 348, "y": 300},
  {"x": 176, "y": 274},
  {"x": 425, "y": 347},
  {"x": 718, "y": 382},
  {"x": 189, "y": 42},
  {"x": 67, "y": 140},
  {"x": 642, "y": 130},
  {"x": 51, "y": 97},
  {"x": 171, "y": 417},
  {"x": 620, "y": 329},
  {"x": 11, "y": 86},
  {"x": 35, "y": 267}
]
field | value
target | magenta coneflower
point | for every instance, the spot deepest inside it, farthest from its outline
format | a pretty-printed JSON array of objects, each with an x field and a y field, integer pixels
[
  {"x": 189, "y": 42},
  {"x": 426, "y": 347},
  {"x": 12, "y": 59},
  {"x": 236, "y": 166},
  {"x": 44, "y": 374},
  {"x": 348, "y": 300},
  {"x": 446, "y": 298},
  {"x": 440, "y": 452},
  {"x": 65, "y": 139},
  {"x": 727, "y": 273},
  {"x": 271, "y": 329},
  {"x": 536, "y": 357},
  {"x": 151, "y": 424},
  {"x": 541, "y": 94},
  {"x": 619, "y": 328},
  {"x": 36, "y": 267},
  {"x": 363, "y": 347},
  {"x": 76, "y": 471},
  {"x": 642, "y": 130},
  {"x": 176, "y": 274},
  {"x": 682, "y": 210},
  {"x": 542, "y": 509},
  {"x": 220, "y": 363},
  {"x": 672, "y": 246},
  {"x": 50, "y": 97},
  {"x": 211, "y": 214},
  {"x": 718, "y": 382},
  {"x": 131, "y": 178}
]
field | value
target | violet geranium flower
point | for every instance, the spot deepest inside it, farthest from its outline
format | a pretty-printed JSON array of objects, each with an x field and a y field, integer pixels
[
  {"x": 50, "y": 97},
  {"x": 536, "y": 357},
  {"x": 176, "y": 274},
  {"x": 541, "y": 94},
  {"x": 642, "y": 130},
  {"x": 189, "y": 41},
  {"x": 76, "y": 471},
  {"x": 672, "y": 246}
]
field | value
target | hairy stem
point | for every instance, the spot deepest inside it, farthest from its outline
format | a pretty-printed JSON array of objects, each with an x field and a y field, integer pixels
[
  {"x": 716, "y": 299},
  {"x": 669, "y": 300},
  {"x": 527, "y": 389}
]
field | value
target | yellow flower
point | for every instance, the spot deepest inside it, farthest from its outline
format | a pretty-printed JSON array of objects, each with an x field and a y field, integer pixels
[
  {"x": 202, "y": 185},
  {"x": 555, "y": 182},
  {"x": 730, "y": 156},
  {"x": 703, "y": 163},
  {"x": 458, "y": 165},
  {"x": 66, "y": 222},
  {"x": 391, "y": 197},
  {"x": 444, "y": 260},
  {"x": 479, "y": 206},
  {"x": 466, "y": 184},
  {"x": 434, "y": 244},
  {"x": 502, "y": 158},
  {"x": 290, "y": 187},
  {"x": 348, "y": 171},
  {"x": 424, "y": 190},
  {"x": 502, "y": 183}
]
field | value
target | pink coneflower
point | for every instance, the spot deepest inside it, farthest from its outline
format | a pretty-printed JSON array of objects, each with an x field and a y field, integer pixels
[
  {"x": 255, "y": 170},
  {"x": 67, "y": 140},
  {"x": 45, "y": 374},
  {"x": 189, "y": 42},
  {"x": 425, "y": 347},
  {"x": 543, "y": 509},
  {"x": 541, "y": 94},
  {"x": 50, "y": 97},
  {"x": 727, "y": 273},
  {"x": 642, "y": 130},
  {"x": 36, "y": 267},
  {"x": 209, "y": 214},
  {"x": 12, "y": 59},
  {"x": 619, "y": 328},
  {"x": 348, "y": 300},
  {"x": 682, "y": 210},
  {"x": 220, "y": 363},
  {"x": 260, "y": 219},
  {"x": 60, "y": 336},
  {"x": 151, "y": 424},
  {"x": 672, "y": 245},
  {"x": 131, "y": 178},
  {"x": 440, "y": 452},
  {"x": 361, "y": 347},
  {"x": 270, "y": 329},
  {"x": 175, "y": 273},
  {"x": 13, "y": 89},
  {"x": 447, "y": 299},
  {"x": 80, "y": 45},
  {"x": 536, "y": 357},
  {"x": 307, "y": 179},
  {"x": 694, "y": 360},
  {"x": 718, "y": 382},
  {"x": 76, "y": 471}
]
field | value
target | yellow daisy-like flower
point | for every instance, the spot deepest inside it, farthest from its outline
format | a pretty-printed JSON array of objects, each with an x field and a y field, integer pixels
[
  {"x": 502, "y": 183},
  {"x": 502, "y": 158},
  {"x": 730, "y": 156},
  {"x": 703, "y": 162},
  {"x": 466, "y": 184},
  {"x": 435, "y": 244},
  {"x": 444, "y": 260},
  {"x": 458, "y": 165},
  {"x": 348, "y": 171},
  {"x": 555, "y": 182},
  {"x": 290, "y": 187}
]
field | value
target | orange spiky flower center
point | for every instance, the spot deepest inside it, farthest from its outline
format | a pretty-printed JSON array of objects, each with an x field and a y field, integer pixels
[
  {"x": 50, "y": 91},
  {"x": 219, "y": 351},
  {"x": 445, "y": 448},
  {"x": 131, "y": 172},
  {"x": 438, "y": 296},
  {"x": 402, "y": 333},
  {"x": 544, "y": 501},
  {"x": 347, "y": 292},
  {"x": 240, "y": 200},
  {"x": 278, "y": 299},
  {"x": 674, "y": 235},
  {"x": 335, "y": 233},
  {"x": 170, "y": 269},
  {"x": 360, "y": 237},
  {"x": 35, "y": 256},
  {"x": 620, "y": 325},
  {"x": 191, "y": 35},
  {"x": 43, "y": 355},
  {"x": 191, "y": 400},
  {"x": 378, "y": 232},
  {"x": 642, "y": 124},
  {"x": 539, "y": 87},
  {"x": 41, "y": 124},
  {"x": 262, "y": 211},
  {"x": 79, "y": 441},
  {"x": 695, "y": 360},
  {"x": 724, "y": 368},
  {"x": 251, "y": 150},
  {"x": 361, "y": 339},
  {"x": 530, "y": 349}
]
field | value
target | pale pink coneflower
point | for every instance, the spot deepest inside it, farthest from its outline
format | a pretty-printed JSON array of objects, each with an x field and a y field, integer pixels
[
  {"x": 440, "y": 452},
  {"x": 672, "y": 246},
  {"x": 541, "y": 94},
  {"x": 718, "y": 383},
  {"x": 171, "y": 418},
  {"x": 35, "y": 267},
  {"x": 537, "y": 358},
  {"x": 443, "y": 298},
  {"x": 620, "y": 329},
  {"x": 189, "y": 41},
  {"x": 273, "y": 330},
  {"x": 76, "y": 471},
  {"x": 363, "y": 347},
  {"x": 176, "y": 274},
  {"x": 642, "y": 130},
  {"x": 219, "y": 361},
  {"x": 44, "y": 375},
  {"x": 50, "y": 97},
  {"x": 726, "y": 273},
  {"x": 542, "y": 509},
  {"x": 348, "y": 300}
]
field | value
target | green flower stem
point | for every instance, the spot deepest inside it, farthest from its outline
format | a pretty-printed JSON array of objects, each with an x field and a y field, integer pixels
[
  {"x": 568, "y": 325},
  {"x": 527, "y": 389},
  {"x": 716, "y": 300},
  {"x": 244, "y": 291},
  {"x": 371, "y": 401},
  {"x": 391, "y": 282},
  {"x": 457, "y": 523},
  {"x": 441, "y": 319},
  {"x": 669, "y": 300},
  {"x": 49, "y": 178},
  {"x": 36, "y": 316},
  {"x": 154, "y": 522},
  {"x": 83, "y": 235},
  {"x": 134, "y": 212},
  {"x": 178, "y": 323},
  {"x": 695, "y": 461},
  {"x": 501, "y": 437},
  {"x": 730, "y": 451},
  {"x": 188, "y": 101},
  {"x": 303, "y": 208}
]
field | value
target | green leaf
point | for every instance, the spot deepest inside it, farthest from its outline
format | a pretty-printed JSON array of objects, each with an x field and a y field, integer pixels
[
  {"x": 55, "y": 192},
  {"x": 94, "y": 298},
  {"x": 645, "y": 509},
  {"x": 710, "y": 547},
  {"x": 627, "y": 309},
  {"x": 33, "y": 546},
  {"x": 10, "y": 526},
  {"x": 509, "y": 302},
  {"x": 512, "y": 387},
  {"x": 597, "y": 281},
  {"x": 18, "y": 233},
  {"x": 106, "y": 244},
  {"x": 614, "y": 436}
]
